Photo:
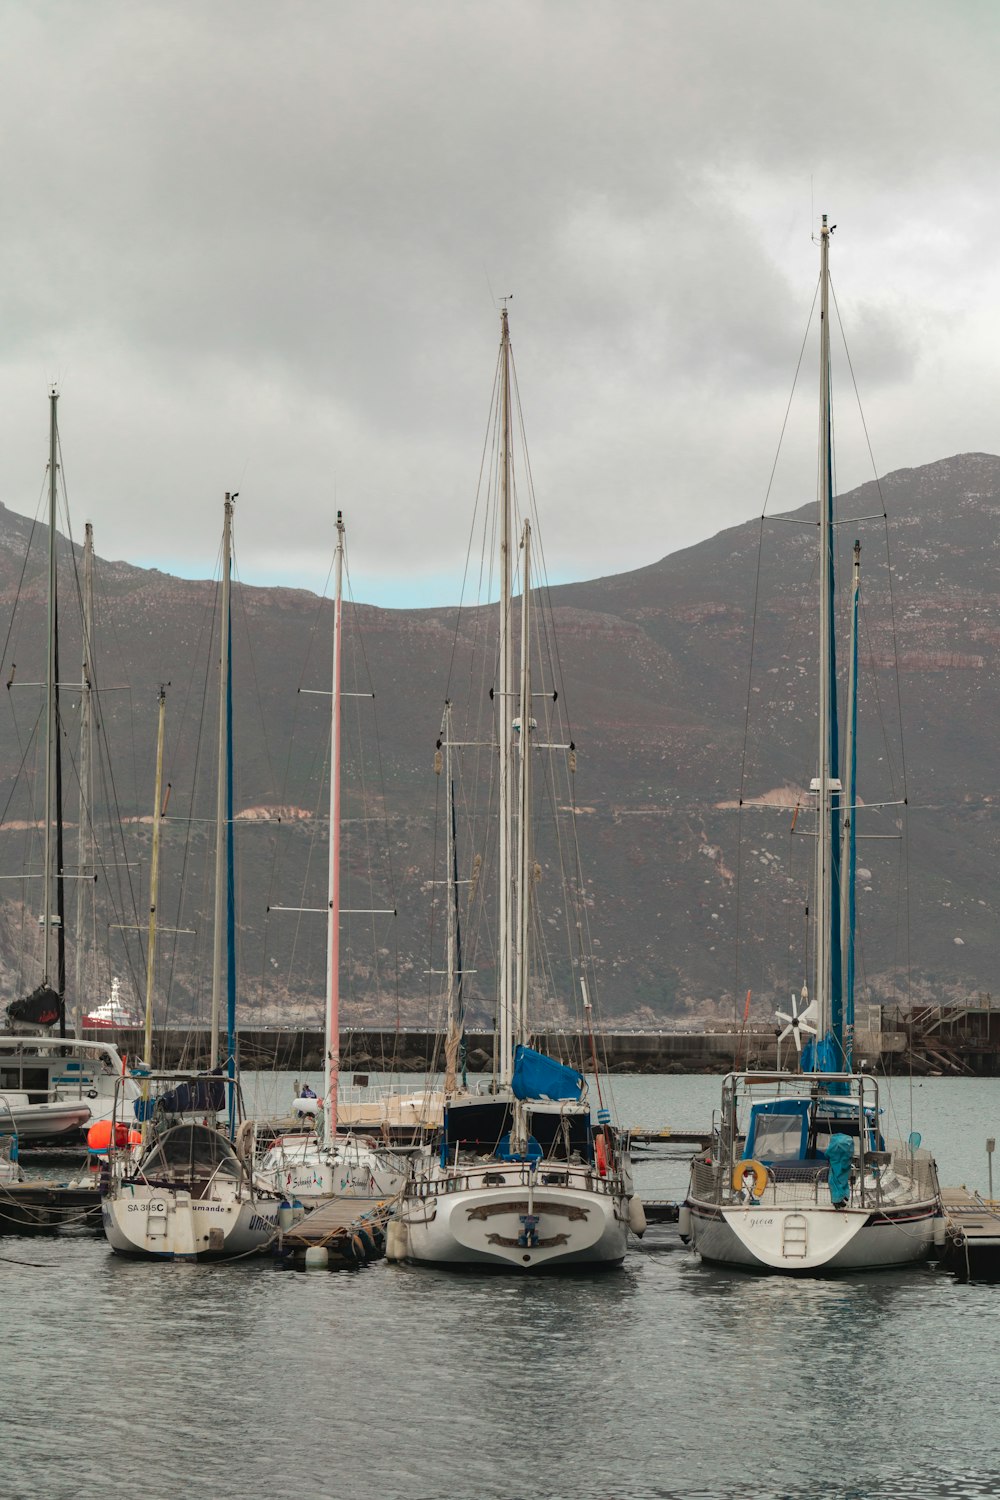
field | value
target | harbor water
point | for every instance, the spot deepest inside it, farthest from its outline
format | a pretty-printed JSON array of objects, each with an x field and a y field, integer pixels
[{"x": 666, "y": 1378}]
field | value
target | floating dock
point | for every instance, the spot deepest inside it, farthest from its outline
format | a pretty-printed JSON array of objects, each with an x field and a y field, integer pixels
[
  {"x": 971, "y": 1233},
  {"x": 343, "y": 1232},
  {"x": 35, "y": 1206},
  {"x": 665, "y": 1135}
]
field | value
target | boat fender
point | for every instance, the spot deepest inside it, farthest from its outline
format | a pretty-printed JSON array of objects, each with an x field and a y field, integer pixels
[
  {"x": 396, "y": 1240},
  {"x": 358, "y": 1247},
  {"x": 636, "y": 1215},
  {"x": 298, "y": 1210},
  {"x": 600, "y": 1153},
  {"x": 750, "y": 1179},
  {"x": 368, "y": 1242},
  {"x": 940, "y": 1232},
  {"x": 684, "y": 1222},
  {"x": 286, "y": 1216},
  {"x": 317, "y": 1258}
]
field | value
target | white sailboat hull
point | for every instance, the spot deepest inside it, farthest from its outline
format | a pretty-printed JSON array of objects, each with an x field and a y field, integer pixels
[
  {"x": 486, "y": 1227},
  {"x": 302, "y": 1168},
  {"x": 169, "y": 1224},
  {"x": 813, "y": 1239}
]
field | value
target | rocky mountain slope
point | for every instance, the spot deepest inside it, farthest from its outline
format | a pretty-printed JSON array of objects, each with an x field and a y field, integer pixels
[{"x": 692, "y": 898}]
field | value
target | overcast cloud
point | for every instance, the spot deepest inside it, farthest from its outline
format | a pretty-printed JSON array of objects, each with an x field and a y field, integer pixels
[{"x": 260, "y": 246}]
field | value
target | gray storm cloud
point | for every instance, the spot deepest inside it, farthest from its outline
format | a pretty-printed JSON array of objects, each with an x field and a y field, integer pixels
[{"x": 261, "y": 247}]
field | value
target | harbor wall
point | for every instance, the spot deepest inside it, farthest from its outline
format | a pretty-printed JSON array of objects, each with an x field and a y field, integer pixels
[{"x": 413, "y": 1050}]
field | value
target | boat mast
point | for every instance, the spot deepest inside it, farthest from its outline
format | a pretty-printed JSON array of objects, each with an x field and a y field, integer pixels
[
  {"x": 154, "y": 876},
  {"x": 50, "y": 711},
  {"x": 453, "y": 936},
  {"x": 524, "y": 860},
  {"x": 220, "y": 788},
  {"x": 826, "y": 784},
  {"x": 85, "y": 833},
  {"x": 848, "y": 857},
  {"x": 506, "y": 964},
  {"x": 331, "y": 1061}
]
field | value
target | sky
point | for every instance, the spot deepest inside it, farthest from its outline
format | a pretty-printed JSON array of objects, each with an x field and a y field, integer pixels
[{"x": 261, "y": 247}]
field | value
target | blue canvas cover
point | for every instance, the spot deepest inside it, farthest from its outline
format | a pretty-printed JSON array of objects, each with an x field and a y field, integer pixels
[
  {"x": 206, "y": 1093},
  {"x": 532, "y": 1152},
  {"x": 539, "y": 1077},
  {"x": 838, "y": 1154},
  {"x": 777, "y": 1131}
]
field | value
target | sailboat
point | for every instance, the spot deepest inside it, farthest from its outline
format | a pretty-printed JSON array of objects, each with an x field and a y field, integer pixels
[
  {"x": 315, "y": 1165},
  {"x": 517, "y": 1178},
  {"x": 55, "y": 1085},
  {"x": 800, "y": 1177},
  {"x": 185, "y": 1193}
]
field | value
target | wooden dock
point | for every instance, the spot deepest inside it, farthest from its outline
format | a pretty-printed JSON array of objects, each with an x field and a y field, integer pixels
[
  {"x": 665, "y": 1135},
  {"x": 351, "y": 1232},
  {"x": 972, "y": 1233}
]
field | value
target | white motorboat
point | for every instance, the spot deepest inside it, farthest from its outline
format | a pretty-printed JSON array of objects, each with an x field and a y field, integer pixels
[
  {"x": 112, "y": 1014},
  {"x": 58, "y": 1086}
]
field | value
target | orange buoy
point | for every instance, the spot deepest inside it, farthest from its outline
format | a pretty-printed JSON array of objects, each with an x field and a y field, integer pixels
[{"x": 99, "y": 1136}]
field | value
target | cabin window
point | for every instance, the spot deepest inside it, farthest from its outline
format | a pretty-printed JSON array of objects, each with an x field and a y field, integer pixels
[{"x": 777, "y": 1136}]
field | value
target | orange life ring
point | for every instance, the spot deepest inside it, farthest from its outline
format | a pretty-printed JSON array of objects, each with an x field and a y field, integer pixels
[{"x": 760, "y": 1177}]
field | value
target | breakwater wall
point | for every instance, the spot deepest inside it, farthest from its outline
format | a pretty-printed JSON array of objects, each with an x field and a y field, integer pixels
[{"x": 414, "y": 1051}]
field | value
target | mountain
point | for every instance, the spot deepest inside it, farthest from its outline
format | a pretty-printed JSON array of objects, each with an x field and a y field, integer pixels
[{"x": 692, "y": 898}]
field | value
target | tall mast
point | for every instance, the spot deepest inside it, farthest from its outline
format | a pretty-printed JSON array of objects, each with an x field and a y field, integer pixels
[
  {"x": 848, "y": 858},
  {"x": 85, "y": 832},
  {"x": 220, "y": 789},
  {"x": 524, "y": 853},
  {"x": 506, "y": 977},
  {"x": 154, "y": 876},
  {"x": 50, "y": 707},
  {"x": 824, "y": 853},
  {"x": 453, "y": 1033},
  {"x": 331, "y": 1062}
]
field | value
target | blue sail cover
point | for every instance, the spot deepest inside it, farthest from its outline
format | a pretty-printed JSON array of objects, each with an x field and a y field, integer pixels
[
  {"x": 827, "y": 1054},
  {"x": 539, "y": 1077},
  {"x": 822, "y": 1057}
]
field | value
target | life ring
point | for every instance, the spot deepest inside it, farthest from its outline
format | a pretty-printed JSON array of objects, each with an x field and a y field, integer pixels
[{"x": 760, "y": 1177}]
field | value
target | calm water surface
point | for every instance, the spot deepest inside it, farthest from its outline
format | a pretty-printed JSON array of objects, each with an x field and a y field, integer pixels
[{"x": 134, "y": 1381}]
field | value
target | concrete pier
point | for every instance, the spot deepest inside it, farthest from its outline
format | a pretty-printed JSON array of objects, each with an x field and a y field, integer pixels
[{"x": 412, "y": 1050}]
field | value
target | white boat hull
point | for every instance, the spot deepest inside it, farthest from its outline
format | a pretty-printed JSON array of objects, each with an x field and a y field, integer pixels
[
  {"x": 485, "y": 1227},
  {"x": 35, "y": 1122},
  {"x": 811, "y": 1239},
  {"x": 303, "y": 1169},
  {"x": 168, "y": 1224}
]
